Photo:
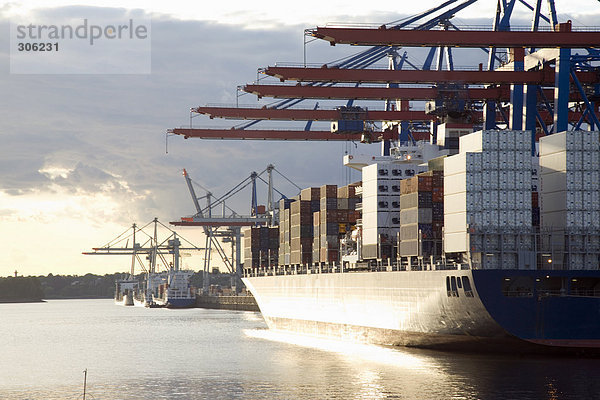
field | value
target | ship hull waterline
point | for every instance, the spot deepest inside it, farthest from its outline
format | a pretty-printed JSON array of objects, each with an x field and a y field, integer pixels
[{"x": 422, "y": 309}]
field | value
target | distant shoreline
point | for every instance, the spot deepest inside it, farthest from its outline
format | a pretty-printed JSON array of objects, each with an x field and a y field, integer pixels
[
  {"x": 78, "y": 298},
  {"x": 26, "y": 300},
  {"x": 3, "y": 301}
]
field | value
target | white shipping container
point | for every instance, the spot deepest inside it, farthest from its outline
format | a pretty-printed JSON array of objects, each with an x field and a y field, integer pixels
[
  {"x": 591, "y": 140},
  {"x": 523, "y": 218},
  {"x": 523, "y": 159},
  {"x": 489, "y": 199},
  {"x": 489, "y": 179},
  {"x": 520, "y": 196},
  {"x": 511, "y": 199},
  {"x": 594, "y": 200},
  {"x": 574, "y": 219},
  {"x": 551, "y": 202},
  {"x": 456, "y": 183},
  {"x": 378, "y": 171},
  {"x": 523, "y": 141},
  {"x": 479, "y": 141},
  {"x": 556, "y": 219},
  {"x": 554, "y": 182},
  {"x": 475, "y": 218},
  {"x": 454, "y": 164},
  {"x": 503, "y": 199},
  {"x": 470, "y": 143},
  {"x": 455, "y": 242},
  {"x": 379, "y": 203},
  {"x": 574, "y": 140},
  {"x": 551, "y": 144},
  {"x": 588, "y": 217},
  {"x": 462, "y": 162},
  {"x": 455, "y": 222},
  {"x": 506, "y": 179},
  {"x": 473, "y": 181},
  {"x": 553, "y": 162},
  {"x": 506, "y": 217},
  {"x": 574, "y": 160},
  {"x": 590, "y": 160},
  {"x": 506, "y": 140},
  {"x": 574, "y": 200},
  {"x": 591, "y": 180},
  {"x": 373, "y": 220},
  {"x": 489, "y": 217},
  {"x": 489, "y": 160},
  {"x": 455, "y": 202},
  {"x": 523, "y": 180},
  {"x": 574, "y": 180},
  {"x": 369, "y": 235}
]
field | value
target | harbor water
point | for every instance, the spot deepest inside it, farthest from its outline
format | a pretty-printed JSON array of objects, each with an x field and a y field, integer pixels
[{"x": 140, "y": 353}]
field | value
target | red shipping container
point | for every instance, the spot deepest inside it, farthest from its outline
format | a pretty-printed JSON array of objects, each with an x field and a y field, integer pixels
[
  {"x": 437, "y": 194},
  {"x": 535, "y": 199}
]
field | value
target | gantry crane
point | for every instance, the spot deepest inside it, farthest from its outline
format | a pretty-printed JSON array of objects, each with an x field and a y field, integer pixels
[
  {"x": 530, "y": 90},
  {"x": 152, "y": 248},
  {"x": 228, "y": 226}
]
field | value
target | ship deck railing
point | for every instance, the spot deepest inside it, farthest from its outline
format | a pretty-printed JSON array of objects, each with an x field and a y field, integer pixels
[{"x": 333, "y": 268}]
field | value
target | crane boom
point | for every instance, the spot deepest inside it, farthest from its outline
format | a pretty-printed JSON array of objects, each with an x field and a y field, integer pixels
[{"x": 192, "y": 192}]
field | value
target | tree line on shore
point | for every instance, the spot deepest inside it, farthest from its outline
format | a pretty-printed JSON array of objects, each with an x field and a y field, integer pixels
[{"x": 35, "y": 288}]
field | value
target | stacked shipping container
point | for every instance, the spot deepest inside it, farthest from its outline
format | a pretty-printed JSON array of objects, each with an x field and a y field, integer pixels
[
  {"x": 421, "y": 214},
  {"x": 570, "y": 180},
  {"x": 261, "y": 246},
  {"x": 570, "y": 192},
  {"x": 329, "y": 245},
  {"x": 488, "y": 186},
  {"x": 301, "y": 228},
  {"x": 311, "y": 225},
  {"x": 380, "y": 209}
]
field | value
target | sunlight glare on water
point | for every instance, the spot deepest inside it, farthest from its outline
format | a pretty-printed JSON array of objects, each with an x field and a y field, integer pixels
[{"x": 356, "y": 351}]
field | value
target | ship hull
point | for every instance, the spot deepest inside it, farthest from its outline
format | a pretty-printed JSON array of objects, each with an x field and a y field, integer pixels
[
  {"x": 422, "y": 309},
  {"x": 181, "y": 303}
]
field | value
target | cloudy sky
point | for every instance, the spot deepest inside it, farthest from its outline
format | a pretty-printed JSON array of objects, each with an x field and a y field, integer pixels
[{"x": 82, "y": 156}]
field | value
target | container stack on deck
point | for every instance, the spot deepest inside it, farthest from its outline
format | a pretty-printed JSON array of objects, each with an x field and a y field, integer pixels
[
  {"x": 329, "y": 244},
  {"x": 261, "y": 247},
  {"x": 570, "y": 196},
  {"x": 311, "y": 225},
  {"x": 284, "y": 231},
  {"x": 480, "y": 203},
  {"x": 421, "y": 214},
  {"x": 487, "y": 190},
  {"x": 301, "y": 232},
  {"x": 380, "y": 209}
]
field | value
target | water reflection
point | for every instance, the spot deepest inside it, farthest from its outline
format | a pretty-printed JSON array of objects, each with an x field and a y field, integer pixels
[{"x": 375, "y": 372}]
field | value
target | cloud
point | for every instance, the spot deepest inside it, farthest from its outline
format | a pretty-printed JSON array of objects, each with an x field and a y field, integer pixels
[{"x": 92, "y": 147}]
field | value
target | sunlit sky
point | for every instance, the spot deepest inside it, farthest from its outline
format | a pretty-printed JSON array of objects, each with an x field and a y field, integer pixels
[{"x": 82, "y": 157}]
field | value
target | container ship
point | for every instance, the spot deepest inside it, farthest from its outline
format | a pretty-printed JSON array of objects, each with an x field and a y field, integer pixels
[
  {"x": 487, "y": 249},
  {"x": 485, "y": 235}
]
